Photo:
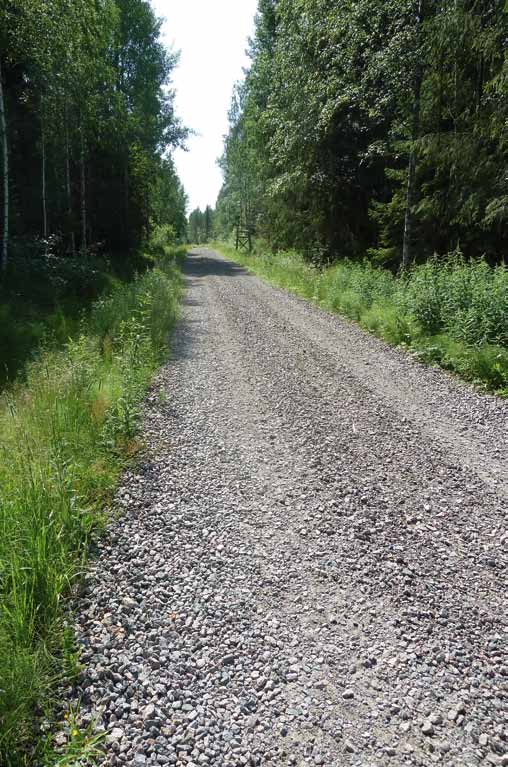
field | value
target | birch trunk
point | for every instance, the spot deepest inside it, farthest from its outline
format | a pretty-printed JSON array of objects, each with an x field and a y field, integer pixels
[
  {"x": 83, "y": 194},
  {"x": 68, "y": 186},
  {"x": 43, "y": 170},
  {"x": 408, "y": 218},
  {"x": 126, "y": 200},
  {"x": 5, "y": 155},
  {"x": 411, "y": 176}
]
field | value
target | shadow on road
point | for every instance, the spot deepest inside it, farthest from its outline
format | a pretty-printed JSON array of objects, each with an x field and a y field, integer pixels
[
  {"x": 206, "y": 264},
  {"x": 198, "y": 265}
]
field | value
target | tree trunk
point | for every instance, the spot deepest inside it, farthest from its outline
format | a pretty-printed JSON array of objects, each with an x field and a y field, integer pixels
[
  {"x": 126, "y": 200},
  {"x": 408, "y": 218},
  {"x": 148, "y": 223},
  {"x": 68, "y": 187},
  {"x": 411, "y": 176},
  {"x": 43, "y": 170},
  {"x": 5, "y": 155},
  {"x": 83, "y": 194}
]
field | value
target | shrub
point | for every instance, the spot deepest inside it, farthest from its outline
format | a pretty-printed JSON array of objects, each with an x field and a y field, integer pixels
[{"x": 468, "y": 300}]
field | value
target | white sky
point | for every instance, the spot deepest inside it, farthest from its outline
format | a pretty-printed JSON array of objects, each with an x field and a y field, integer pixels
[{"x": 212, "y": 37}]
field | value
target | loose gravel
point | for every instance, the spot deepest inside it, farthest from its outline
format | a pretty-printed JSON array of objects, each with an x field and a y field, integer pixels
[{"x": 310, "y": 564}]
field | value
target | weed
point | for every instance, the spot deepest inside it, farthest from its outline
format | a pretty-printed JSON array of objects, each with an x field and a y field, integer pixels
[{"x": 74, "y": 745}]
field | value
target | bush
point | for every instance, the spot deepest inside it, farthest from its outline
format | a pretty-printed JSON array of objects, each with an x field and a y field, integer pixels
[
  {"x": 469, "y": 301},
  {"x": 42, "y": 297},
  {"x": 163, "y": 237},
  {"x": 42, "y": 271}
]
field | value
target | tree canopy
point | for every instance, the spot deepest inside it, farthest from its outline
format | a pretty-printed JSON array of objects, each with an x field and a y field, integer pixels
[
  {"x": 364, "y": 127},
  {"x": 89, "y": 123}
]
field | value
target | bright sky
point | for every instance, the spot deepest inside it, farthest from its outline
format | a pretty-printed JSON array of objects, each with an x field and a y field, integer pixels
[{"x": 212, "y": 37}]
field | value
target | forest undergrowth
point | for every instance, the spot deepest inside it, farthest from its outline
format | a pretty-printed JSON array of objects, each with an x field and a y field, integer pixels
[
  {"x": 44, "y": 294},
  {"x": 449, "y": 312},
  {"x": 67, "y": 430}
]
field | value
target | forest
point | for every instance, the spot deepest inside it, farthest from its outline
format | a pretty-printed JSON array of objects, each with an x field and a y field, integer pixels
[
  {"x": 87, "y": 126},
  {"x": 368, "y": 129}
]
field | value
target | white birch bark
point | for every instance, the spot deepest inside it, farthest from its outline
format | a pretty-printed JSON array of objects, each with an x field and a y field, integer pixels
[
  {"x": 83, "y": 194},
  {"x": 5, "y": 155},
  {"x": 68, "y": 185},
  {"x": 44, "y": 199}
]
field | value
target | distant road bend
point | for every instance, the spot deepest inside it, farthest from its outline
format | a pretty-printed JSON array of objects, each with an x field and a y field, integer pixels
[{"x": 310, "y": 566}]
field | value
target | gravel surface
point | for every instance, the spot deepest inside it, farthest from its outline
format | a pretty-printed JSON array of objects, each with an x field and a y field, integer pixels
[{"x": 310, "y": 563}]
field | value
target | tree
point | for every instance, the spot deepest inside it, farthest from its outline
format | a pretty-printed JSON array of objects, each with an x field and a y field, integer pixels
[
  {"x": 209, "y": 216},
  {"x": 86, "y": 87},
  {"x": 196, "y": 226},
  {"x": 372, "y": 128},
  {"x": 5, "y": 175}
]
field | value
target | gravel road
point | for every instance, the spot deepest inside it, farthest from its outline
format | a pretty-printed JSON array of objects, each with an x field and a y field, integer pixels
[{"x": 310, "y": 563}]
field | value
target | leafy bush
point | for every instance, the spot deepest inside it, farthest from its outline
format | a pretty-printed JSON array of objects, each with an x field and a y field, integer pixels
[
  {"x": 469, "y": 301},
  {"x": 42, "y": 297},
  {"x": 66, "y": 432},
  {"x": 44, "y": 272},
  {"x": 163, "y": 236}
]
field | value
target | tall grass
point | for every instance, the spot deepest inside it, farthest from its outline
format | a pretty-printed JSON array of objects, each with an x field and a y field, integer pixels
[
  {"x": 65, "y": 434},
  {"x": 448, "y": 311}
]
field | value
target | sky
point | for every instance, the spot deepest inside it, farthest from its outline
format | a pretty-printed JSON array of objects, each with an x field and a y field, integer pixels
[{"x": 211, "y": 36}]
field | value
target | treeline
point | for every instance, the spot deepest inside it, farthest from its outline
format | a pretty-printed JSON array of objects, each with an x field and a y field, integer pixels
[
  {"x": 372, "y": 128},
  {"x": 201, "y": 225},
  {"x": 86, "y": 124}
]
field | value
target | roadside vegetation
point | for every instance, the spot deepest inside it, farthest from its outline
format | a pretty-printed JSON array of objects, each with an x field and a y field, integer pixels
[
  {"x": 67, "y": 431},
  {"x": 44, "y": 295},
  {"x": 450, "y": 312},
  {"x": 87, "y": 180}
]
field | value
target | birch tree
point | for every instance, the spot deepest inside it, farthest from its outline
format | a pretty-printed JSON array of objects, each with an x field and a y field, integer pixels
[{"x": 5, "y": 175}]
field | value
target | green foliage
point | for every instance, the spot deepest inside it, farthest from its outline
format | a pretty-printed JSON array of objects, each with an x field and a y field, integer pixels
[
  {"x": 468, "y": 301},
  {"x": 42, "y": 298},
  {"x": 201, "y": 225},
  {"x": 339, "y": 96},
  {"x": 66, "y": 433},
  {"x": 90, "y": 121},
  {"x": 168, "y": 203},
  {"x": 452, "y": 313}
]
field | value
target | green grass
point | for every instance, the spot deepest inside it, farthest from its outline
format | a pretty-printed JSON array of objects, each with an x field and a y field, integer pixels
[
  {"x": 67, "y": 431},
  {"x": 448, "y": 312},
  {"x": 44, "y": 295}
]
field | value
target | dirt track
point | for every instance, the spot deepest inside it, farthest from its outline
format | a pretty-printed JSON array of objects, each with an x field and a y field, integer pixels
[{"x": 311, "y": 563}]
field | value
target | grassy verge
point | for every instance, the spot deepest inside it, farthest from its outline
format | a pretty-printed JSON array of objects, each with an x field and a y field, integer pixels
[
  {"x": 44, "y": 294},
  {"x": 449, "y": 312},
  {"x": 66, "y": 432}
]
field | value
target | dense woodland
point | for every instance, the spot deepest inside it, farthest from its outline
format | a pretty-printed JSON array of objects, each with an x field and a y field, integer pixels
[
  {"x": 86, "y": 122},
  {"x": 374, "y": 128}
]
